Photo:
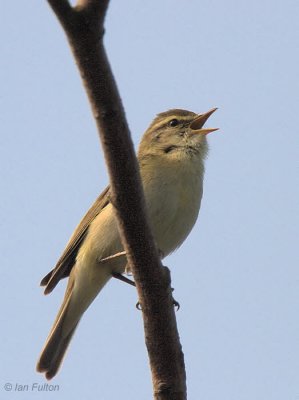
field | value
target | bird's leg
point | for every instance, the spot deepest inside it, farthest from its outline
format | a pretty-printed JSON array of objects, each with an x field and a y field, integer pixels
[
  {"x": 123, "y": 278},
  {"x": 118, "y": 275}
]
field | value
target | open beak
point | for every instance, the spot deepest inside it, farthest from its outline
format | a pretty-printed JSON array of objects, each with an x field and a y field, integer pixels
[{"x": 199, "y": 121}]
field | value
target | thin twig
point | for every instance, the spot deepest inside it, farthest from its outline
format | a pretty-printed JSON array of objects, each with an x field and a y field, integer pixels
[{"x": 109, "y": 258}]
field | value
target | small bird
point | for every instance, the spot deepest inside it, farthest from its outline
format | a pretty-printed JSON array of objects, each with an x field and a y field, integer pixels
[{"x": 171, "y": 161}]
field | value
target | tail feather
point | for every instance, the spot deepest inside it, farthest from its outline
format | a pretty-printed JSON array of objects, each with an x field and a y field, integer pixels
[
  {"x": 50, "y": 361},
  {"x": 58, "y": 339},
  {"x": 80, "y": 292}
]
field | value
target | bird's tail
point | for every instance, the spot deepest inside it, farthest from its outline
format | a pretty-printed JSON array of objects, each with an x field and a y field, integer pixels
[{"x": 74, "y": 305}]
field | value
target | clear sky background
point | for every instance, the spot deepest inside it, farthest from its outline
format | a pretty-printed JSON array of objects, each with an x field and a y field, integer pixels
[{"x": 236, "y": 277}]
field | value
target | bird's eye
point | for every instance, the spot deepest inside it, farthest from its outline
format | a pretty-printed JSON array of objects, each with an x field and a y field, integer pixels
[{"x": 173, "y": 122}]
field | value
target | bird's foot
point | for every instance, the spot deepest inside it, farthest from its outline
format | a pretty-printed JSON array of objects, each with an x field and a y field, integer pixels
[{"x": 175, "y": 303}]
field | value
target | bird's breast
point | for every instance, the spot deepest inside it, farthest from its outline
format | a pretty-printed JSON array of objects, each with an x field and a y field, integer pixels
[{"x": 173, "y": 198}]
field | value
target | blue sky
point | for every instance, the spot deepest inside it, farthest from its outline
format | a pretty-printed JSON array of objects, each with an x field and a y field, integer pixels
[{"x": 236, "y": 277}]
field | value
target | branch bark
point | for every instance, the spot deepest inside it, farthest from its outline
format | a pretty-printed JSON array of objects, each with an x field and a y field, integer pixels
[{"x": 84, "y": 28}]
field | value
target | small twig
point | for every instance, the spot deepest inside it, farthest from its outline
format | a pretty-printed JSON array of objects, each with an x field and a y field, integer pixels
[{"x": 109, "y": 258}]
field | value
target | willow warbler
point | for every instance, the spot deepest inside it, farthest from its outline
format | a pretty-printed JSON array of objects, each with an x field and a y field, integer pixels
[{"x": 171, "y": 160}]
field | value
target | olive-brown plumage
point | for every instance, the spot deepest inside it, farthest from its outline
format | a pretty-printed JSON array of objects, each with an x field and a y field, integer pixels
[{"x": 171, "y": 160}]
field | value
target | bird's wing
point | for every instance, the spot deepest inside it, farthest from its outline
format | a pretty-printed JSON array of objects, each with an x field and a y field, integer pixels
[{"x": 68, "y": 257}]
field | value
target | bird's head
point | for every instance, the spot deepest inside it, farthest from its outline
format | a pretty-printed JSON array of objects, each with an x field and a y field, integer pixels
[{"x": 176, "y": 133}]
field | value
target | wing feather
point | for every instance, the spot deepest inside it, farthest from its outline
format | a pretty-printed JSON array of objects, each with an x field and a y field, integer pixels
[{"x": 68, "y": 257}]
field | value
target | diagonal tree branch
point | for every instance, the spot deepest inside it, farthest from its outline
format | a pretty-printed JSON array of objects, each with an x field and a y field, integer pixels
[{"x": 84, "y": 27}]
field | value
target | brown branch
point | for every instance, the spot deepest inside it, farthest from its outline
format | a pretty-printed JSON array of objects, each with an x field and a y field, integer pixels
[{"x": 84, "y": 27}]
